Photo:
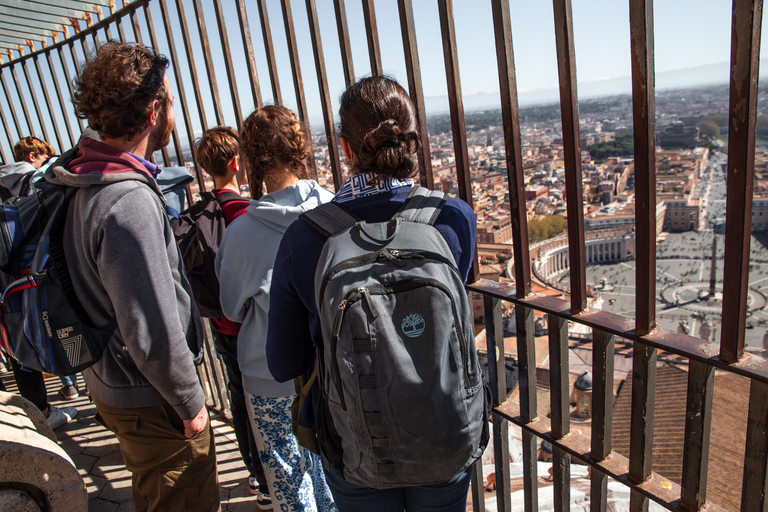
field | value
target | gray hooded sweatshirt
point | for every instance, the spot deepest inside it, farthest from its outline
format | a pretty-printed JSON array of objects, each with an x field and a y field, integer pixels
[
  {"x": 124, "y": 264},
  {"x": 11, "y": 175},
  {"x": 244, "y": 267}
]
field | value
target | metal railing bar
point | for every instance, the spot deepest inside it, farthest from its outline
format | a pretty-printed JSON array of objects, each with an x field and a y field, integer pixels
[
  {"x": 569, "y": 108},
  {"x": 325, "y": 96},
  {"x": 24, "y": 108},
  {"x": 497, "y": 378},
  {"x": 175, "y": 135},
  {"x": 269, "y": 48},
  {"x": 641, "y": 419},
  {"x": 108, "y": 32},
  {"x": 49, "y": 105},
  {"x": 372, "y": 34},
  {"x": 250, "y": 61},
  {"x": 530, "y": 471},
  {"x": 11, "y": 142},
  {"x": 603, "y": 346},
  {"x": 10, "y": 23},
  {"x": 644, "y": 123},
  {"x": 136, "y": 27},
  {"x": 413, "y": 71},
  {"x": 456, "y": 106},
  {"x": 742, "y": 123},
  {"x": 12, "y": 14},
  {"x": 193, "y": 71},
  {"x": 207, "y": 58},
  {"x": 344, "y": 46},
  {"x": 182, "y": 97},
  {"x": 228, "y": 64},
  {"x": 121, "y": 30},
  {"x": 658, "y": 488},
  {"x": 526, "y": 367},
  {"x": 560, "y": 407},
  {"x": 698, "y": 417},
  {"x": 68, "y": 80},
  {"x": 62, "y": 104},
  {"x": 298, "y": 83},
  {"x": 11, "y": 106},
  {"x": 32, "y": 9},
  {"x": 96, "y": 43},
  {"x": 478, "y": 490},
  {"x": 753, "y": 491},
  {"x": 751, "y": 366},
  {"x": 512, "y": 144},
  {"x": 26, "y": 32}
]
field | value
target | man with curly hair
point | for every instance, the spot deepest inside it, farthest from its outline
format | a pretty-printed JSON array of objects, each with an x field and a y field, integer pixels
[{"x": 125, "y": 266}]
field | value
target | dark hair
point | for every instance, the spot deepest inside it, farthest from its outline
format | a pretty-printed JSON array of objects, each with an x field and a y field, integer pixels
[
  {"x": 116, "y": 89},
  {"x": 28, "y": 145},
  {"x": 272, "y": 137},
  {"x": 378, "y": 120},
  {"x": 215, "y": 149}
]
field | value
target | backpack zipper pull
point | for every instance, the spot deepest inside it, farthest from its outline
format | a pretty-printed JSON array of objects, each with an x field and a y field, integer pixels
[
  {"x": 367, "y": 296},
  {"x": 337, "y": 319},
  {"x": 393, "y": 255}
]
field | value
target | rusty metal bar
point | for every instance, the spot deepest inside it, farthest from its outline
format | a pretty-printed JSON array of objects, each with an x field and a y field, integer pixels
[
  {"x": 270, "y": 51},
  {"x": 569, "y": 108},
  {"x": 644, "y": 123},
  {"x": 497, "y": 378},
  {"x": 27, "y": 119},
  {"x": 413, "y": 70},
  {"x": 35, "y": 103},
  {"x": 346, "y": 49},
  {"x": 298, "y": 83},
  {"x": 48, "y": 104},
  {"x": 188, "y": 50},
  {"x": 11, "y": 142},
  {"x": 167, "y": 25},
  {"x": 228, "y": 63},
  {"x": 75, "y": 60},
  {"x": 742, "y": 116},
  {"x": 325, "y": 97},
  {"x": 65, "y": 116},
  {"x": 95, "y": 37},
  {"x": 108, "y": 32},
  {"x": 602, "y": 414},
  {"x": 559, "y": 398},
  {"x": 526, "y": 367},
  {"x": 245, "y": 32},
  {"x": 698, "y": 416},
  {"x": 456, "y": 105},
  {"x": 121, "y": 30},
  {"x": 753, "y": 492},
  {"x": 68, "y": 79},
  {"x": 200, "y": 17},
  {"x": 372, "y": 34},
  {"x": 478, "y": 491},
  {"x": 176, "y": 142},
  {"x": 642, "y": 415},
  {"x": 512, "y": 144},
  {"x": 136, "y": 26},
  {"x": 19, "y": 132}
]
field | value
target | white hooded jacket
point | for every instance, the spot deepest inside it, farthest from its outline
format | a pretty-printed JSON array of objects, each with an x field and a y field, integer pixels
[{"x": 244, "y": 265}]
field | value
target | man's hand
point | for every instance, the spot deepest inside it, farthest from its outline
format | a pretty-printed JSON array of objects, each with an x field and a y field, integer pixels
[{"x": 197, "y": 424}]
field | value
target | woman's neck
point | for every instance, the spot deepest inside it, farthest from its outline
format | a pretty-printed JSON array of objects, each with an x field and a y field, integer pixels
[{"x": 279, "y": 179}]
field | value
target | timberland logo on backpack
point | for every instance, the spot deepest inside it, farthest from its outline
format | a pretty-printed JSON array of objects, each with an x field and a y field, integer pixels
[{"x": 413, "y": 325}]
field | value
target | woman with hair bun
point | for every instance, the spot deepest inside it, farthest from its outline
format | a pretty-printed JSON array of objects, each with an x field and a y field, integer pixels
[
  {"x": 274, "y": 151},
  {"x": 379, "y": 136}
]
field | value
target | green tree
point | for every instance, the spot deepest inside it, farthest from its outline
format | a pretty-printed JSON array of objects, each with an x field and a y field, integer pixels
[{"x": 709, "y": 129}]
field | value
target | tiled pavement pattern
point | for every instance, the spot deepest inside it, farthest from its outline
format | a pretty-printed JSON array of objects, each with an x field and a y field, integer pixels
[{"x": 96, "y": 454}]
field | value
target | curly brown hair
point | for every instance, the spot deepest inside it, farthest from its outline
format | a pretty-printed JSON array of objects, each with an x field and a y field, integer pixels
[
  {"x": 215, "y": 149},
  {"x": 272, "y": 137},
  {"x": 27, "y": 145},
  {"x": 378, "y": 120},
  {"x": 116, "y": 89}
]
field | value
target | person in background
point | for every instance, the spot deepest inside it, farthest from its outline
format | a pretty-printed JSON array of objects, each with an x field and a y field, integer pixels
[
  {"x": 125, "y": 267},
  {"x": 379, "y": 136},
  {"x": 274, "y": 151},
  {"x": 217, "y": 153}
]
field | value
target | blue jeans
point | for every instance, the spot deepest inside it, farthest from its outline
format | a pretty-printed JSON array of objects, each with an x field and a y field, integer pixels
[{"x": 450, "y": 496}]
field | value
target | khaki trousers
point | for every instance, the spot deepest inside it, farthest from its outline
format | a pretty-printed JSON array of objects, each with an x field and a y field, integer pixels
[{"x": 170, "y": 472}]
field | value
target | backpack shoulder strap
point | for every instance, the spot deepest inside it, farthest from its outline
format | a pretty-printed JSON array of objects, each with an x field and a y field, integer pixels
[
  {"x": 329, "y": 219},
  {"x": 26, "y": 183},
  {"x": 228, "y": 196},
  {"x": 422, "y": 206},
  {"x": 5, "y": 194}
]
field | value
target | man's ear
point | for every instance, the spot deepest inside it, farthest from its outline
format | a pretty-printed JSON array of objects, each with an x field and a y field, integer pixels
[
  {"x": 234, "y": 163},
  {"x": 347, "y": 150},
  {"x": 155, "y": 114},
  {"x": 31, "y": 156}
]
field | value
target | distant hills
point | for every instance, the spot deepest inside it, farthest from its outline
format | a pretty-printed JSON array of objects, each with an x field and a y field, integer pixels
[{"x": 710, "y": 74}]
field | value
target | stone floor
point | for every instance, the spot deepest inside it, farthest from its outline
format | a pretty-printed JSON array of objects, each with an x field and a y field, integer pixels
[{"x": 95, "y": 452}]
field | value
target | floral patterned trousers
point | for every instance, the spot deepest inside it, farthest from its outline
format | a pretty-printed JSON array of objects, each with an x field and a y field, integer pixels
[{"x": 295, "y": 475}]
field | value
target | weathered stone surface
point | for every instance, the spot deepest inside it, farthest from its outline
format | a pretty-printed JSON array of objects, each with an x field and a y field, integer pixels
[
  {"x": 17, "y": 501},
  {"x": 99, "y": 505},
  {"x": 30, "y": 456}
]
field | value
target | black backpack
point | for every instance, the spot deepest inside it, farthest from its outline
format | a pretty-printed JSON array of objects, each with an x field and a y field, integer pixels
[
  {"x": 43, "y": 325},
  {"x": 6, "y": 197},
  {"x": 199, "y": 230}
]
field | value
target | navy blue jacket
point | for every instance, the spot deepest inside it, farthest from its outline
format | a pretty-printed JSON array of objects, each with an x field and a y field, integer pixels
[{"x": 294, "y": 326}]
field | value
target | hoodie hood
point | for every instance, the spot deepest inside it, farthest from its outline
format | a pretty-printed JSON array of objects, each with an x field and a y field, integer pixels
[
  {"x": 94, "y": 163},
  {"x": 12, "y": 174},
  {"x": 279, "y": 209}
]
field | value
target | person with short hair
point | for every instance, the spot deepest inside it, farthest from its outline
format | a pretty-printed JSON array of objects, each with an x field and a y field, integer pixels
[
  {"x": 274, "y": 149},
  {"x": 126, "y": 268},
  {"x": 218, "y": 154},
  {"x": 30, "y": 154}
]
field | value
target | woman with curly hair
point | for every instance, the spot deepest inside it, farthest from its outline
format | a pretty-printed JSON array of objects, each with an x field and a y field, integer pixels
[{"x": 274, "y": 150}]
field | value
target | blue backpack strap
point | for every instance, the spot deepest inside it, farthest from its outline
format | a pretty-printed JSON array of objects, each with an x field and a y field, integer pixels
[
  {"x": 422, "y": 206},
  {"x": 329, "y": 219}
]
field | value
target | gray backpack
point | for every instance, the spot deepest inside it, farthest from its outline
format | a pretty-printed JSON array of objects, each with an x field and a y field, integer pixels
[{"x": 403, "y": 400}]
